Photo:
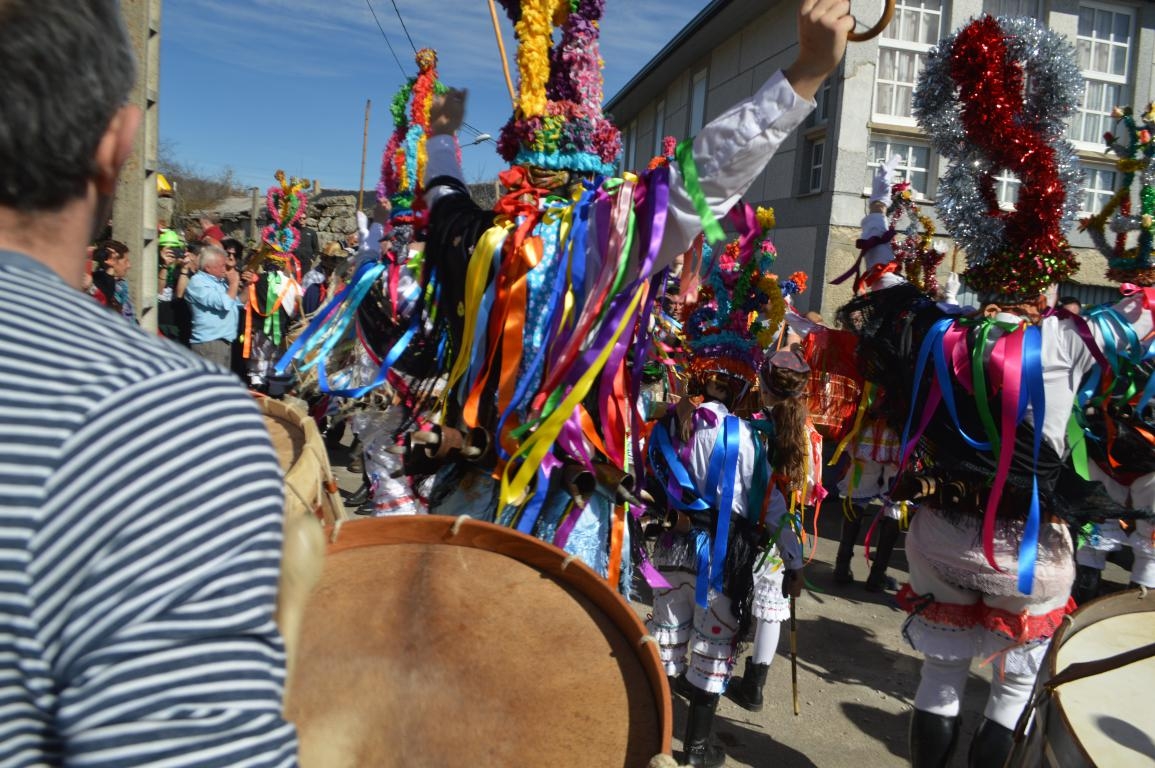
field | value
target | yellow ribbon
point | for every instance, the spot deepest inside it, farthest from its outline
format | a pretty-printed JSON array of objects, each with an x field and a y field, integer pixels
[
  {"x": 476, "y": 278},
  {"x": 541, "y": 441}
]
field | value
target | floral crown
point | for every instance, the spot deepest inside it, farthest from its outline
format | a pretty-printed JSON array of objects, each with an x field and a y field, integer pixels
[
  {"x": 557, "y": 122},
  {"x": 1135, "y": 150},
  {"x": 725, "y": 329},
  {"x": 287, "y": 204},
  {"x": 403, "y": 164}
]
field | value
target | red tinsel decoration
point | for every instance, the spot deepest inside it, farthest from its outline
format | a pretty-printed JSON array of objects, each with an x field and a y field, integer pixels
[{"x": 991, "y": 90}]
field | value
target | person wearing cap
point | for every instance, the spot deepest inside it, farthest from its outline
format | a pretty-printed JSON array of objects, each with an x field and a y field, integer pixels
[
  {"x": 171, "y": 251},
  {"x": 795, "y": 457}
]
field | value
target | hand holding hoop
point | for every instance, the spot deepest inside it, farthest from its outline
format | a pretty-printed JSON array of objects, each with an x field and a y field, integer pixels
[{"x": 876, "y": 30}]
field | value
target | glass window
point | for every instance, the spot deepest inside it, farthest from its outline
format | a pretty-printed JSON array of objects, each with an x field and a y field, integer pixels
[
  {"x": 631, "y": 141},
  {"x": 1103, "y": 48},
  {"x": 1098, "y": 189},
  {"x": 1007, "y": 188},
  {"x": 915, "y": 165},
  {"x": 697, "y": 102},
  {"x": 812, "y": 174},
  {"x": 659, "y": 127},
  {"x": 1013, "y": 8},
  {"x": 902, "y": 48}
]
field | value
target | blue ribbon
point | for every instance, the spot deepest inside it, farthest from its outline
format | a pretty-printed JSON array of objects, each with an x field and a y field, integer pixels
[
  {"x": 306, "y": 342},
  {"x": 533, "y": 509},
  {"x": 660, "y": 440},
  {"x": 1033, "y": 378},
  {"x": 924, "y": 353},
  {"x": 731, "y": 438},
  {"x": 947, "y": 389}
]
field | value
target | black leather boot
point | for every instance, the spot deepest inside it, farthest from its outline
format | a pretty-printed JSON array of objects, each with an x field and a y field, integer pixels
[
  {"x": 991, "y": 745},
  {"x": 359, "y": 496},
  {"x": 932, "y": 739},
  {"x": 700, "y": 752},
  {"x": 1086, "y": 583},
  {"x": 850, "y": 529},
  {"x": 878, "y": 581},
  {"x": 747, "y": 691}
]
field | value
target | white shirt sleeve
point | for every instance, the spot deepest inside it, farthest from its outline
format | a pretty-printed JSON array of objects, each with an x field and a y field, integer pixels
[
  {"x": 730, "y": 152},
  {"x": 441, "y": 160}
]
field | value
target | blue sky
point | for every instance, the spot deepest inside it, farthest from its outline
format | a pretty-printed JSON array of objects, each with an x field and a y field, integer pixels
[{"x": 258, "y": 85}]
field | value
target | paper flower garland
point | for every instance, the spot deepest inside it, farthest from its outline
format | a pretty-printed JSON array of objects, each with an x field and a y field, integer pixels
[
  {"x": 1135, "y": 150},
  {"x": 729, "y": 327},
  {"x": 915, "y": 248},
  {"x": 404, "y": 161},
  {"x": 287, "y": 204},
  {"x": 558, "y": 123},
  {"x": 995, "y": 97}
]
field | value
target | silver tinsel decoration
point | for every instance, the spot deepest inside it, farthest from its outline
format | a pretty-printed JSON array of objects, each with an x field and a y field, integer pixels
[{"x": 1054, "y": 87}]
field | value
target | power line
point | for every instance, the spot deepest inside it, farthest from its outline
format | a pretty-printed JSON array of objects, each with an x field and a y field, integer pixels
[
  {"x": 404, "y": 75},
  {"x": 398, "y": 10}
]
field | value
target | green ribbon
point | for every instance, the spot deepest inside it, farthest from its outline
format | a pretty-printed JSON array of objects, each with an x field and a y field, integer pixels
[
  {"x": 979, "y": 380},
  {"x": 685, "y": 157}
]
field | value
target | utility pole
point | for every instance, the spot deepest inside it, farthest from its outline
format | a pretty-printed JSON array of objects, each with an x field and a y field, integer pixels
[{"x": 134, "y": 213}]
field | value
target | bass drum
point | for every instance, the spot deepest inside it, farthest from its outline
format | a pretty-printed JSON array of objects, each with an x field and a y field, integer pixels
[
  {"x": 434, "y": 641},
  {"x": 1092, "y": 704},
  {"x": 312, "y": 500}
]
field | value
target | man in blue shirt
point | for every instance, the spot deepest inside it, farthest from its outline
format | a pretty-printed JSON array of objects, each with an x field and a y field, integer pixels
[{"x": 212, "y": 300}]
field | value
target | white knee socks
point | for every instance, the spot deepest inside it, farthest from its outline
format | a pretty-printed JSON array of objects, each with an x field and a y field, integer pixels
[
  {"x": 766, "y": 641},
  {"x": 941, "y": 686},
  {"x": 1009, "y": 694}
]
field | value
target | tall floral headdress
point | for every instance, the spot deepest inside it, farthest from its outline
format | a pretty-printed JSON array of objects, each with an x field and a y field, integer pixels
[
  {"x": 287, "y": 203},
  {"x": 1135, "y": 151},
  {"x": 915, "y": 249},
  {"x": 558, "y": 122},
  {"x": 403, "y": 164},
  {"x": 740, "y": 304}
]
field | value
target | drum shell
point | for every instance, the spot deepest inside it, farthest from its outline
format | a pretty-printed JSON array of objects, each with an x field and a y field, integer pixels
[{"x": 404, "y": 645}]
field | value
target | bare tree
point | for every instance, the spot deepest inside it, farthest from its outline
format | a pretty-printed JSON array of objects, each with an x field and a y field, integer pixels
[{"x": 194, "y": 189}]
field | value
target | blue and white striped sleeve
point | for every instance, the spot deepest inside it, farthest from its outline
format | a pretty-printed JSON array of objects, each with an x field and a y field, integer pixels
[{"x": 155, "y": 578}]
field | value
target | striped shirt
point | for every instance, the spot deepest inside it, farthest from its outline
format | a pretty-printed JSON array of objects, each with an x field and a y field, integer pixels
[{"x": 140, "y": 542}]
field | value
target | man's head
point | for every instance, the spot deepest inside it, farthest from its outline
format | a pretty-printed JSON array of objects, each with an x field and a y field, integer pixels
[
  {"x": 213, "y": 261},
  {"x": 1071, "y": 304},
  {"x": 64, "y": 129}
]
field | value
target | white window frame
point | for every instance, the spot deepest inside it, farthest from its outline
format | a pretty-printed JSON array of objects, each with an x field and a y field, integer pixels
[
  {"x": 699, "y": 85},
  {"x": 1100, "y": 194},
  {"x": 889, "y": 41},
  {"x": 631, "y": 145},
  {"x": 905, "y": 168},
  {"x": 1007, "y": 187},
  {"x": 659, "y": 127},
  {"x": 1027, "y": 8},
  {"x": 821, "y": 114},
  {"x": 816, "y": 145},
  {"x": 1101, "y": 112}
]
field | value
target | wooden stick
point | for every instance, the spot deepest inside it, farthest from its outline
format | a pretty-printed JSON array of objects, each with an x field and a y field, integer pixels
[
  {"x": 794, "y": 656},
  {"x": 364, "y": 153},
  {"x": 501, "y": 50}
]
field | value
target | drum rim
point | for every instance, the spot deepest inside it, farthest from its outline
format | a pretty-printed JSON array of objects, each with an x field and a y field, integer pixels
[
  {"x": 1070, "y": 627},
  {"x": 547, "y": 558}
]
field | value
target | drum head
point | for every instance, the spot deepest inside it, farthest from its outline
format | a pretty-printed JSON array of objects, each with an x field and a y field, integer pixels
[
  {"x": 426, "y": 648},
  {"x": 1110, "y": 714}
]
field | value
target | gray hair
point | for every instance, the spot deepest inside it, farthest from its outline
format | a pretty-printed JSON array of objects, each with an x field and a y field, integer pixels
[
  {"x": 210, "y": 254},
  {"x": 68, "y": 67}
]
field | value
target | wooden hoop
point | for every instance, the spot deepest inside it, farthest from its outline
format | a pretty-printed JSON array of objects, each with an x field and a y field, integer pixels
[{"x": 876, "y": 30}]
